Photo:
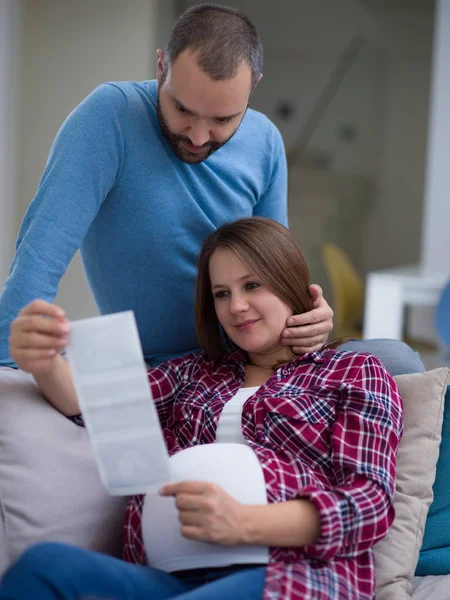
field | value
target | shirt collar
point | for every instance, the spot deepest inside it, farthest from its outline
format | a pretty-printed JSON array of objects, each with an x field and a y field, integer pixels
[{"x": 239, "y": 357}]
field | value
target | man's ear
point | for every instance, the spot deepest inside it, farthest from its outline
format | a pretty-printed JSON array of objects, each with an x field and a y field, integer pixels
[
  {"x": 159, "y": 64},
  {"x": 257, "y": 81}
]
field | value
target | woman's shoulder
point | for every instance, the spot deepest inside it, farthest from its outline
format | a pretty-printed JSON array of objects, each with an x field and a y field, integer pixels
[
  {"x": 344, "y": 364},
  {"x": 332, "y": 356}
]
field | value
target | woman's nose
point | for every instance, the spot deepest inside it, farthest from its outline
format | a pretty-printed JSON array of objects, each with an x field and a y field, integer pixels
[{"x": 238, "y": 304}]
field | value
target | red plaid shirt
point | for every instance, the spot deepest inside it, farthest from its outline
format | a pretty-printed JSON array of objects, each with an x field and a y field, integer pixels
[{"x": 325, "y": 427}]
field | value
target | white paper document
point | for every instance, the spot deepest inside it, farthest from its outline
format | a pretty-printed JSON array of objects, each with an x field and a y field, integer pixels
[{"x": 110, "y": 377}]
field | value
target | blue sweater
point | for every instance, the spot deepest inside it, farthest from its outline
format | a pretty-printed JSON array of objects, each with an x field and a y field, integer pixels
[{"x": 113, "y": 187}]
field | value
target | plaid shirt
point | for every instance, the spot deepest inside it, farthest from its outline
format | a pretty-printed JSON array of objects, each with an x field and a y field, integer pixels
[{"x": 325, "y": 427}]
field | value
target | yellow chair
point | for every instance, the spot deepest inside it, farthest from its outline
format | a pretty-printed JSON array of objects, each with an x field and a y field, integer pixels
[
  {"x": 348, "y": 297},
  {"x": 348, "y": 292}
]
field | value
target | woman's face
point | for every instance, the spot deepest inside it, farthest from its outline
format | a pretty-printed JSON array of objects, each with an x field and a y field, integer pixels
[{"x": 250, "y": 313}]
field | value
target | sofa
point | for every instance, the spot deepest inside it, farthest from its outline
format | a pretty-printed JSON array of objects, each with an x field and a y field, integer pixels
[{"x": 50, "y": 489}]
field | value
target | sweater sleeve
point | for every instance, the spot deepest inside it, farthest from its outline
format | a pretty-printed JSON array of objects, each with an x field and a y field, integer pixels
[
  {"x": 358, "y": 510},
  {"x": 84, "y": 162}
]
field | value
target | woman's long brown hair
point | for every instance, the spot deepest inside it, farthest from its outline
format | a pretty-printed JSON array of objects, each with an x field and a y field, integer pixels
[{"x": 269, "y": 250}]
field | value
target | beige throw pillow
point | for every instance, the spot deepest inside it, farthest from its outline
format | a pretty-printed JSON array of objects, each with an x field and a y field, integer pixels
[
  {"x": 397, "y": 554},
  {"x": 49, "y": 485}
]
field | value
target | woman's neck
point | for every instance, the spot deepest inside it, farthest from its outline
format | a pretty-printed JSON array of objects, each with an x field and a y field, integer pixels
[
  {"x": 271, "y": 360},
  {"x": 257, "y": 374}
]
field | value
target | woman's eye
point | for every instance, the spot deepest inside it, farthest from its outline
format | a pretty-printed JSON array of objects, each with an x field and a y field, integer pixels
[
  {"x": 221, "y": 294},
  {"x": 180, "y": 109},
  {"x": 252, "y": 285}
]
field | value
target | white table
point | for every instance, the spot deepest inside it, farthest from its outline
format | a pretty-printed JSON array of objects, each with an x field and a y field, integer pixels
[{"x": 390, "y": 290}]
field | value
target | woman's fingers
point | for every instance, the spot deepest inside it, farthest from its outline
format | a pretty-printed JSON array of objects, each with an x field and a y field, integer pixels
[
  {"x": 39, "y": 324},
  {"x": 33, "y": 339},
  {"x": 41, "y": 317},
  {"x": 32, "y": 355},
  {"x": 38, "y": 334},
  {"x": 42, "y": 307},
  {"x": 35, "y": 361}
]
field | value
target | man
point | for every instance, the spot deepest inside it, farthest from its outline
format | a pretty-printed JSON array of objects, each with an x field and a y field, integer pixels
[{"x": 140, "y": 173}]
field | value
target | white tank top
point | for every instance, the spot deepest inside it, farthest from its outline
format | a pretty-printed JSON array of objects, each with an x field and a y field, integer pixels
[
  {"x": 230, "y": 463},
  {"x": 229, "y": 428}
]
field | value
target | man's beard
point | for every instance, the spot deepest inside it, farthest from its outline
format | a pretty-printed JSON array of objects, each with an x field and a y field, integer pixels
[{"x": 176, "y": 142}]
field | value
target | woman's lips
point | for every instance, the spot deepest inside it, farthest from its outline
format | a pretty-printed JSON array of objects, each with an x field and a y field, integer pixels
[{"x": 246, "y": 324}]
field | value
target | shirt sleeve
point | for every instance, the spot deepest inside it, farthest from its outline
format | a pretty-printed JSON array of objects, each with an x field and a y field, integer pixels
[
  {"x": 84, "y": 162},
  {"x": 273, "y": 203},
  {"x": 165, "y": 381},
  {"x": 358, "y": 511},
  {"x": 133, "y": 546}
]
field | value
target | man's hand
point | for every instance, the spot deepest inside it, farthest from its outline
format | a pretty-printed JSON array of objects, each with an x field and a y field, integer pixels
[
  {"x": 309, "y": 332},
  {"x": 206, "y": 512}
]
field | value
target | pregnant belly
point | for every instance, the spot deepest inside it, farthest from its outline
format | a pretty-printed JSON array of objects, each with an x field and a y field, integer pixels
[{"x": 236, "y": 469}]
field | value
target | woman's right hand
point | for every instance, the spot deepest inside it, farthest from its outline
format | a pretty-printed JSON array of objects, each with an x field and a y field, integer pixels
[{"x": 38, "y": 335}]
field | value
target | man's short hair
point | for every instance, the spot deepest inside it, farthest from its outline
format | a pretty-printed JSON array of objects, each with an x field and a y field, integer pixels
[{"x": 224, "y": 37}]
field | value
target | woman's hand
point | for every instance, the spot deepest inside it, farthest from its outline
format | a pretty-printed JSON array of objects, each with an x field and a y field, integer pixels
[
  {"x": 206, "y": 512},
  {"x": 309, "y": 332},
  {"x": 38, "y": 334}
]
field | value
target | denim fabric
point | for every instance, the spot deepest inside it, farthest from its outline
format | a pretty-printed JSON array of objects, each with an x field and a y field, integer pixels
[{"x": 51, "y": 571}]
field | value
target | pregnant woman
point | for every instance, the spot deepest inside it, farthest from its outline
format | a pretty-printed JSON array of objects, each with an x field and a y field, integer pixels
[{"x": 286, "y": 463}]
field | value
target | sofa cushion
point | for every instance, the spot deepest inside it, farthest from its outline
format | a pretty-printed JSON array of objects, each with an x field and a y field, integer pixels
[
  {"x": 396, "y": 555},
  {"x": 49, "y": 485}
]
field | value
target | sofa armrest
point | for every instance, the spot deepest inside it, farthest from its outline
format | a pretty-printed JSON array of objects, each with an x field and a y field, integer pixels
[{"x": 49, "y": 484}]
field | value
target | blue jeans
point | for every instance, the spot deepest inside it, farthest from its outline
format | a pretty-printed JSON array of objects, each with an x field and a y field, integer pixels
[
  {"x": 51, "y": 571},
  {"x": 396, "y": 356}
]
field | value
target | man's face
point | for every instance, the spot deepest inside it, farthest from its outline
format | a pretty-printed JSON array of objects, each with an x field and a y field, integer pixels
[{"x": 197, "y": 114}]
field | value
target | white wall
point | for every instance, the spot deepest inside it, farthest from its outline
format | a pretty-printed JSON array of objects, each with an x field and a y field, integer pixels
[
  {"x": 395, "y": 225},
  {"x": 436, "y": 236},
  {"x": 302, "y": 45},
  {"x": 68, "y": 49},
  {"x": 10, "y": 30}
]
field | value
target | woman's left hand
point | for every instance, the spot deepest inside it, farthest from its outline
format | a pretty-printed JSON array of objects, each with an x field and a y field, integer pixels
[
  {"x": 207, "y": 512},
  {"x": 309, "y": 332}
]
